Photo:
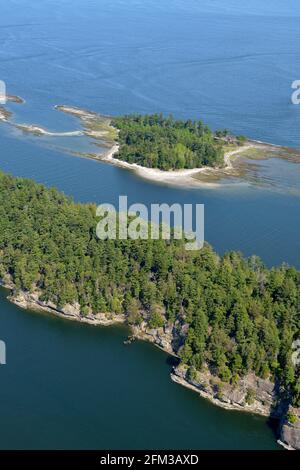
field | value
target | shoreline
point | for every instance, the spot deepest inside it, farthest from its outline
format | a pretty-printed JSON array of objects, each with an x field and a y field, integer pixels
[
  {"x": 215, "y": 401},
  {"x": 30, "y": 302},
  {"x": 11, "y": 99},
  {"x": 6, "y": 115},
  {"x": 236, "y": 407},
  {"x": 40, "y": 131},
  {"x": 184, "y": 176},
  {"x": 15, "y": 99},
  {"x": 99, "y": 128}
]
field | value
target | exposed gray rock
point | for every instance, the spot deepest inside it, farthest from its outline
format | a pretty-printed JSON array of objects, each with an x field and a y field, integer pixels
[
  {"x": 161, "y": 337},
  {"x": 6, "y": 282},
  {"x": 263, "y": 392},
  {"x": 290, "y": 432},
  {"x": 30, "y": 300},
  {"x": 251, "y": 393}
]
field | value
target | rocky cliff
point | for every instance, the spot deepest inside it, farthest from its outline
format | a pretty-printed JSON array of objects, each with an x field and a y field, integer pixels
[
  {"x": 290, "y": 429},
  {"x": 70, "y": 312},
  {"x": 250, "y": 393}
]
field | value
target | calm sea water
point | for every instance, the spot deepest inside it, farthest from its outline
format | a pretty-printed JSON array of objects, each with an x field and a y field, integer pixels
[{"x": 232, "y": 65}]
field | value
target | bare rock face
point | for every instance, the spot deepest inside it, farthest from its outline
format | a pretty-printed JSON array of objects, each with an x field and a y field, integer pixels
[
  {"x": 290, "y": 429},
  {"x": 264, "y": 390},
  {"x": 249, "y": 394},
  {"x": 31, "y": 300},
  {"x": 161, "y": 337},
  {"x": 6, "y": 281}
]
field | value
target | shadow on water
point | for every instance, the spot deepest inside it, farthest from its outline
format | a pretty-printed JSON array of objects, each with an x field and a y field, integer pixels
[
  {"x": 273, "y": 424},
  {"x": 172, "y": 361}
]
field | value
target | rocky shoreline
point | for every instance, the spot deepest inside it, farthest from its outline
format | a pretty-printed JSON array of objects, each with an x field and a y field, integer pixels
[
  {"x": 232, "y": 397},
  {"x": 31, "y": 301},
  {"x": 250, "y": 394},
  {"x": 264, "y": 401}
]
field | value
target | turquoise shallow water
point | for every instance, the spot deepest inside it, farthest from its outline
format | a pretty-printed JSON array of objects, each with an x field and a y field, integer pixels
[{"x": 71, "y": 386}]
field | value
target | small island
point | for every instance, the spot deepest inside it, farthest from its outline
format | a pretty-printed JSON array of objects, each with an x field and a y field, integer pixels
[
  {"x": 159, "y": 148},
  {"x": 176, "y": 152}
]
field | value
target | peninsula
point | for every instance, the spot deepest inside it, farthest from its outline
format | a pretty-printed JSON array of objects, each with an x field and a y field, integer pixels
[{"x": 230, "y": 321}]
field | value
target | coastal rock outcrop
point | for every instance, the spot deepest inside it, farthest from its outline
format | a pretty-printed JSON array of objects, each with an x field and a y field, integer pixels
[
  {"x": 290, "y": 429},
  {"x": 30, "y": 300},
  {"x": 249, "y": 394},
  {"x": 161, "y": 337}
]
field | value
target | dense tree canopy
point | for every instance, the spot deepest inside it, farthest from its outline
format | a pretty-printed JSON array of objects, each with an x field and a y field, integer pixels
[
  {"x": 231, "y": 313},
  {"x": 157, "y": 142}
]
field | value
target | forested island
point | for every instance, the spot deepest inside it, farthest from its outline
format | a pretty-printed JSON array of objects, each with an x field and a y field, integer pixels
[
  {"x": 155, "y": 141},
  {"x": 226, "y": 318},
  {"x": 158, "y": 148}
]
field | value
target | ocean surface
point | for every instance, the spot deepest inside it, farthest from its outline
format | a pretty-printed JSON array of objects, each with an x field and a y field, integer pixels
[{"x": 72, "y": 386}]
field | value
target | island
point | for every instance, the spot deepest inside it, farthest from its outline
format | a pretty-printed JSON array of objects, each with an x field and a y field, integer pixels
[
  {"x": 175, "y": 152},
  {"x": 229, "y": 321},
  {"x": 155, "y": 141},
  {"x": 160, "y": 148}
]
